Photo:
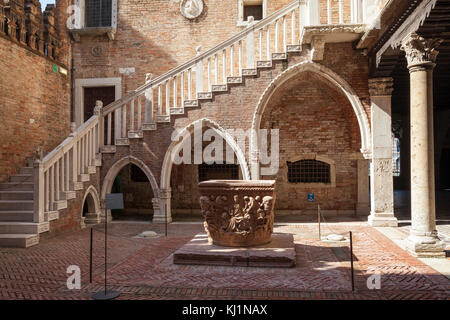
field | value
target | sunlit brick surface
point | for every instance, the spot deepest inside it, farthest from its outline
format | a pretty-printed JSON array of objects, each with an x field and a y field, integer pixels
[{"x": 143, "y": 268}]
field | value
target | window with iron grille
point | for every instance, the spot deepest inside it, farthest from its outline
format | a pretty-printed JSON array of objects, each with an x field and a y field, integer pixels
[
  {"x": 218, "y": 172},
  {"x": 396, "y": 157},
  {"x": 98, "y": 13},
  {"x": 308, "y": 171}
]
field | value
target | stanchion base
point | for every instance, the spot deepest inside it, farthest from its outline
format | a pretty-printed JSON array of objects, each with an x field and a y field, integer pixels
[{"x": 105, "y": 295}]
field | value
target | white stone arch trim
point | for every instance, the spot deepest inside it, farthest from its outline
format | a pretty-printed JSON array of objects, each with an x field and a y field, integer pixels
[
  {"x": 176, "y": 145},
  {"x": 118, "y": 165},
  {"x": 333, "y": 78},
  {"x": 91, "y": 190},
  {"x": 317, "y": 157}
]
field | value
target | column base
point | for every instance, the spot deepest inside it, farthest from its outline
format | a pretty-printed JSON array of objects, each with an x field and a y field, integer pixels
[
  {"x": 425, "y": 246},
  {"x": 382, "y": 220},
  {"x": 161, "y": 219},
  {"x": 92, "y": 218}
]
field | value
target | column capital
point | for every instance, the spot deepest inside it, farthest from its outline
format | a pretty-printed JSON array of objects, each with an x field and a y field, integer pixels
[
  {"x": 165, "y": 193},
  {"x": 381, "y": 86},
  {"x": 420, "y": 52}
]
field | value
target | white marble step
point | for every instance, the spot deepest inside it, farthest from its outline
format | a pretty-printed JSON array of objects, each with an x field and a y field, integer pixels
[{"x": 18, "y": 240}]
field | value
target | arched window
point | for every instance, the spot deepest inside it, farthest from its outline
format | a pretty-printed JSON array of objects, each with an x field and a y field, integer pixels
[{"x": 309, "y": 171}]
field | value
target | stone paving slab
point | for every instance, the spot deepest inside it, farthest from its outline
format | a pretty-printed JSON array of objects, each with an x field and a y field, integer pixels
[{"x": 279, "y": 253}]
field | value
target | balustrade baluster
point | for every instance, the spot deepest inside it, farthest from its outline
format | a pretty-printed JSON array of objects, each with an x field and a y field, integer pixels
[
  {"x": 67, "y": 171},
  {"x": 132, "y": 115},
  {"x": 284, "y": 35},
  {"x": 268, "y": 43},
  {"x": 51, "y": 188},
  {"x": 341, "y": 12},
  {"x": 190, "y": 84},
  {"x": 47, "y": 189},
  {"x": 117, "y": 125},
  {"x": 167, "y": 96},
  {"x": 232, "y": 60},
  {"x": 63, "y": 174},
  {"x": 224, "y": 65},
  {"x": 175, "y": 97},
  {"x": 216, "y": 68},
  {"x": 182, "y": 89},
  {"x": 260, "y": 44},
  {"x": 276, "y": 35},
  {"x": 124, "y": 121},
  {"x": 159, "y": 100},
  {"x": 139, "y": 113},
  {"x": 293, "y": 27},
  {"x": 209, "y": 74}
]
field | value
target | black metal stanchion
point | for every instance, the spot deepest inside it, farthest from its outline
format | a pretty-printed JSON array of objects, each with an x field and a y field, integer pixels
[
  {"x": 351, "y": 261},
  {"x": 90, "y": 256},
  {"x": 113, "y": 201}
]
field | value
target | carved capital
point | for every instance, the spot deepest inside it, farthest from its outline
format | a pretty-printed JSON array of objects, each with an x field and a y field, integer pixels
[
  {"x": 165, "y": 193},
  {"x": 381, "y": 86},
  {"x": 420, "y": 51}
]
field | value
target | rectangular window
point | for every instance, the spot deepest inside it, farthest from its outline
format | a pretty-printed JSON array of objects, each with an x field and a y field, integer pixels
[
  {"x": 218, "y": 172},
  {"x": 309, "y": 171},
  {"x": 98, "y": 13}
]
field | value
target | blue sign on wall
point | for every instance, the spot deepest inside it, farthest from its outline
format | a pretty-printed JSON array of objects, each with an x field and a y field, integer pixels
[
  {"x": 310, "y": 197},
  {"x": 114, "y": 201}
]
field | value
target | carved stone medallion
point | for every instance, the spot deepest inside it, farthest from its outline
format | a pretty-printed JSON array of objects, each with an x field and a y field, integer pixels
[{"x": 191, "y": 9}]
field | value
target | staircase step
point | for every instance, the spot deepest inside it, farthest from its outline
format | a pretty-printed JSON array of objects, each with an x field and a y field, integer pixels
[
  {"x": 60, "y": 204},
  {"x": 26, "y": 170},
  {"x": 21, "y": 178},
  {"x": 136, "y": 134},
  {"x": 249, "y": 72},
  {"x": 264, "y": 64},
  {"x": 11, "y": 227},
  {"x": 20, "y": 205},
  {"x": 190, "y": 103},
  {"x": 176, "y": 111},
  {"x": 52, "y": 215},
  {"x": 78, "y": 185},
  {"x": 108, "y": 149},
  {"x": 234, "y": 80},
  {"x": 204, "y": 95},
  {"x": 219, "y": 88},
  {"x": 122, "y": 142},
  {"x": 16, "y": 215},
  {"x": 279, "y": 56},
  {"x": 294, "y": 48},
  {"x": 92, "y": 169},
  {"x": 16, "y": 195},
  {"x": 18, "y": 240},
  {"x": 15, "y": 186},
  {"x": 162, "y": 119},
  {"x": 84, "y": 177},
  {"x": 149, "y": 126},
  {"x": 68, "y": 195}
]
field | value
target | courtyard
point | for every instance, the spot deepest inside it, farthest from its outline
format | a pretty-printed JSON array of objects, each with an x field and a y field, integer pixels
[{"x": 143, "y": 268}]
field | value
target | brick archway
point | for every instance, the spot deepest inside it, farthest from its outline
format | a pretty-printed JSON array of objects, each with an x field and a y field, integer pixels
[{"x": 330, "y": 76}]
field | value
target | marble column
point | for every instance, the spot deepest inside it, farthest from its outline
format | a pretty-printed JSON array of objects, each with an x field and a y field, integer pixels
[
  {"x": 421, "y": 55},
  {"x": 381, "y": 180},
  {"x": 362, "y": 207},
  {"x": 164, "y": 213}
]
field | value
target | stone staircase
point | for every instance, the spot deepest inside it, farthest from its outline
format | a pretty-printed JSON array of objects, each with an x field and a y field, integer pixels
[
  {"x": 17, "y": 228},
  {"x": 34, "y": 196}
]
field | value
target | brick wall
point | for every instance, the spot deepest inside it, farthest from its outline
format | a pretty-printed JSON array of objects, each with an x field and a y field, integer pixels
[
  {"x": 314, "y": 119},
  {"x": 34, "y": 100}
]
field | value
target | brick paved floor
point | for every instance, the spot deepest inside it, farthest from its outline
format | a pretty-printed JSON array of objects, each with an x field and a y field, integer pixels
[{"x": 143, "y": 268}]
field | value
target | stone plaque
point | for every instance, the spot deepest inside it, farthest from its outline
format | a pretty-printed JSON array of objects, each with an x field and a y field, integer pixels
[{"x": 191, "y": 9}]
